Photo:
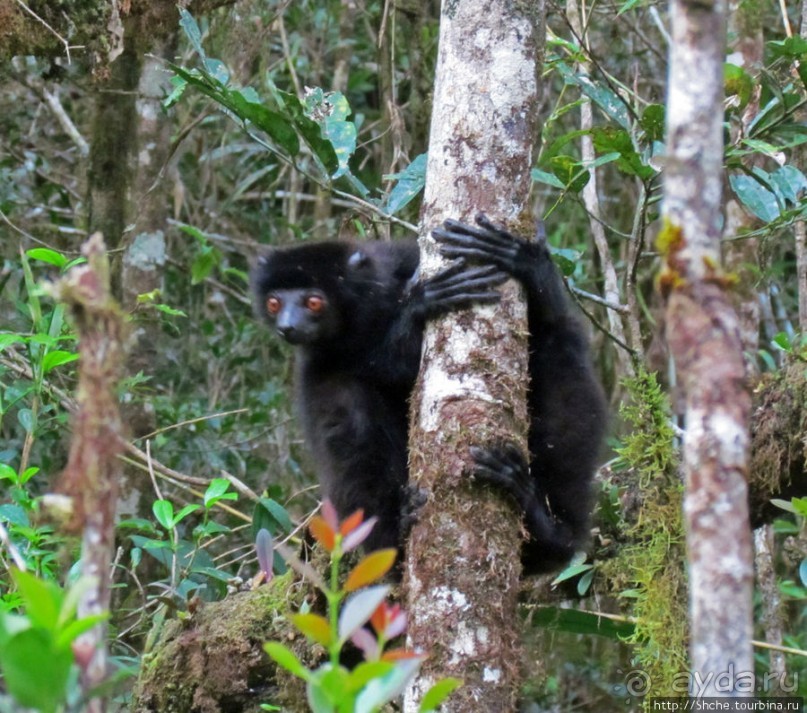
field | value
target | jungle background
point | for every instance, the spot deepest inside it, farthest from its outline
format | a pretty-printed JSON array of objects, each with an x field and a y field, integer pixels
[{"x": 211, "y": 135}]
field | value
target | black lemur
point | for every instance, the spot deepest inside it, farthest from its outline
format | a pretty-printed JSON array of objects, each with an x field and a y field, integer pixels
[{"x": 356, "y": 313}]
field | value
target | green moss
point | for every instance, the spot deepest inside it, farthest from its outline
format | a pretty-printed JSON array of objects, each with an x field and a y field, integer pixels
[
  {"x": 651, "y": 566},
  {"x": 214, "y": 661}
]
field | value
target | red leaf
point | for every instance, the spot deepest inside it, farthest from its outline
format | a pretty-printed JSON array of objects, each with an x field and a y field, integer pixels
[
  {"x": 352, "y": 522},
  {"x": 322, "y": 532}
]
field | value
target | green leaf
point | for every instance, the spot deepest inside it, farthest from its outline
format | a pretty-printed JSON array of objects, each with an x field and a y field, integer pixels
[
  {"x": 571, "y": 571},
  {"x": 410, "y": 183},
  {"x": 7, "y": 340},
  {"x": 164, "y": 512},
  {"x": 566, "y": 259},
  {"x": 47, "y": 255},
  {"x": 217, "y": 488},
  {"x": 217, "y": 70},
  {"x": 543, "y": 177},
  {"x": 76, "y": 628},
  {"x": 271, "y": 515},
  {"x": 25, "y": 416},
  {"x": 438, "y": 693},
  {"x": 43, "y": 600},
  {"x": 191, "y": 28},
  {"x": 366, "y": 671},
  {"x": 187, "y": 510},
  {"x": 27, "y": 474},
  {"x": 8, "y": 473},
  {"x": 791, "y": 48},
  {"x": 310, "y": 131},
  {"x": 610, "y": 139},
  {"x": 800, "y": 506},
  {"x": 758, "y": 199},
  {"x": 35, "y": 672},
  {"x": 584, "y": 582},
  {"x": 580, "y": 622},
  {"x": 247, "y": 105},
  {"x": 340, "y": 132},
  {"x": 57, "y": 358},
  {"x": 782, "y": 341},
  {"x": 179, "y": 85},
  {"x": 171, "y": 311},
  {"x": 208, "y": 529},
  {"x": 737, "y": 83},
  {"x": 204, "y": 262},
  {"x": 326, "y": 690},
  {"x": 628, "y": 5},
  {"x": 285, "y": 658},
  {"x": 599, "y": 93},
  {"x": 570, "y": 172},
  {"x": 382, "y": 690},
  {"x": 14, "y": 515},
  {"x": 652, "y": 122},
  {"x": 790, "y": 181}
]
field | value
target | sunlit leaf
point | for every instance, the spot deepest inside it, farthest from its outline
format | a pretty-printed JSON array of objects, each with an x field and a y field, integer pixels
[
  {"x": 285, "y": 658},
  {"x": 47, "y": 255},
  {"x": 43, "y": 599},
  {"x": 164, "y": 512},
  {"x": 56, "y": 358},
  {"x": 314, "y": 626},
  {"x": 217, "y": 488},
  {"x": 438, "y": 693}
]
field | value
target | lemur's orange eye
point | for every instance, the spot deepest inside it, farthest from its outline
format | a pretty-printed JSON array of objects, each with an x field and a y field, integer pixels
[
  {"x": 315, "y": 303},
  {"x": 273, "y": 305}
]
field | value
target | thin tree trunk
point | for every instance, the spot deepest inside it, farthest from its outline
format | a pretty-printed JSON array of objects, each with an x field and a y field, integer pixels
[
  {"x": 591, "y": 200},
  {"x": 463, "y": 561},
  {"x": 93, "y": 469},
  {"x": 704, "y": 336}
]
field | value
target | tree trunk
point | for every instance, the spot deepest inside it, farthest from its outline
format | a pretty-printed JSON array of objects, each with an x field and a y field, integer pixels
[
  {"x": 93, "y": 469},
  {"x": 463, "y": 561},
  {"x": 704, "y": 336}
]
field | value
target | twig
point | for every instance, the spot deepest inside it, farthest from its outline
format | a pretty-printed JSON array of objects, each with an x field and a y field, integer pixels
[
  {"x": 66, "y": 122},
  {"x": 61, "y": 39}
]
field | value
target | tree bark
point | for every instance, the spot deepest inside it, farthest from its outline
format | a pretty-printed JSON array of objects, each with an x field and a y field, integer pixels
[
  {"x": 93, "y": 470},
  {"x": 704, "y": 335},
  {"x": 463, "y": 561}
]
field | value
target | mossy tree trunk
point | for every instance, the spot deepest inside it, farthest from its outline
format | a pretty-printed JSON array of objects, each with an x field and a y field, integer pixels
[
  {"x": 463, "y": 563},
  {"x": 703, "y": 331}
]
